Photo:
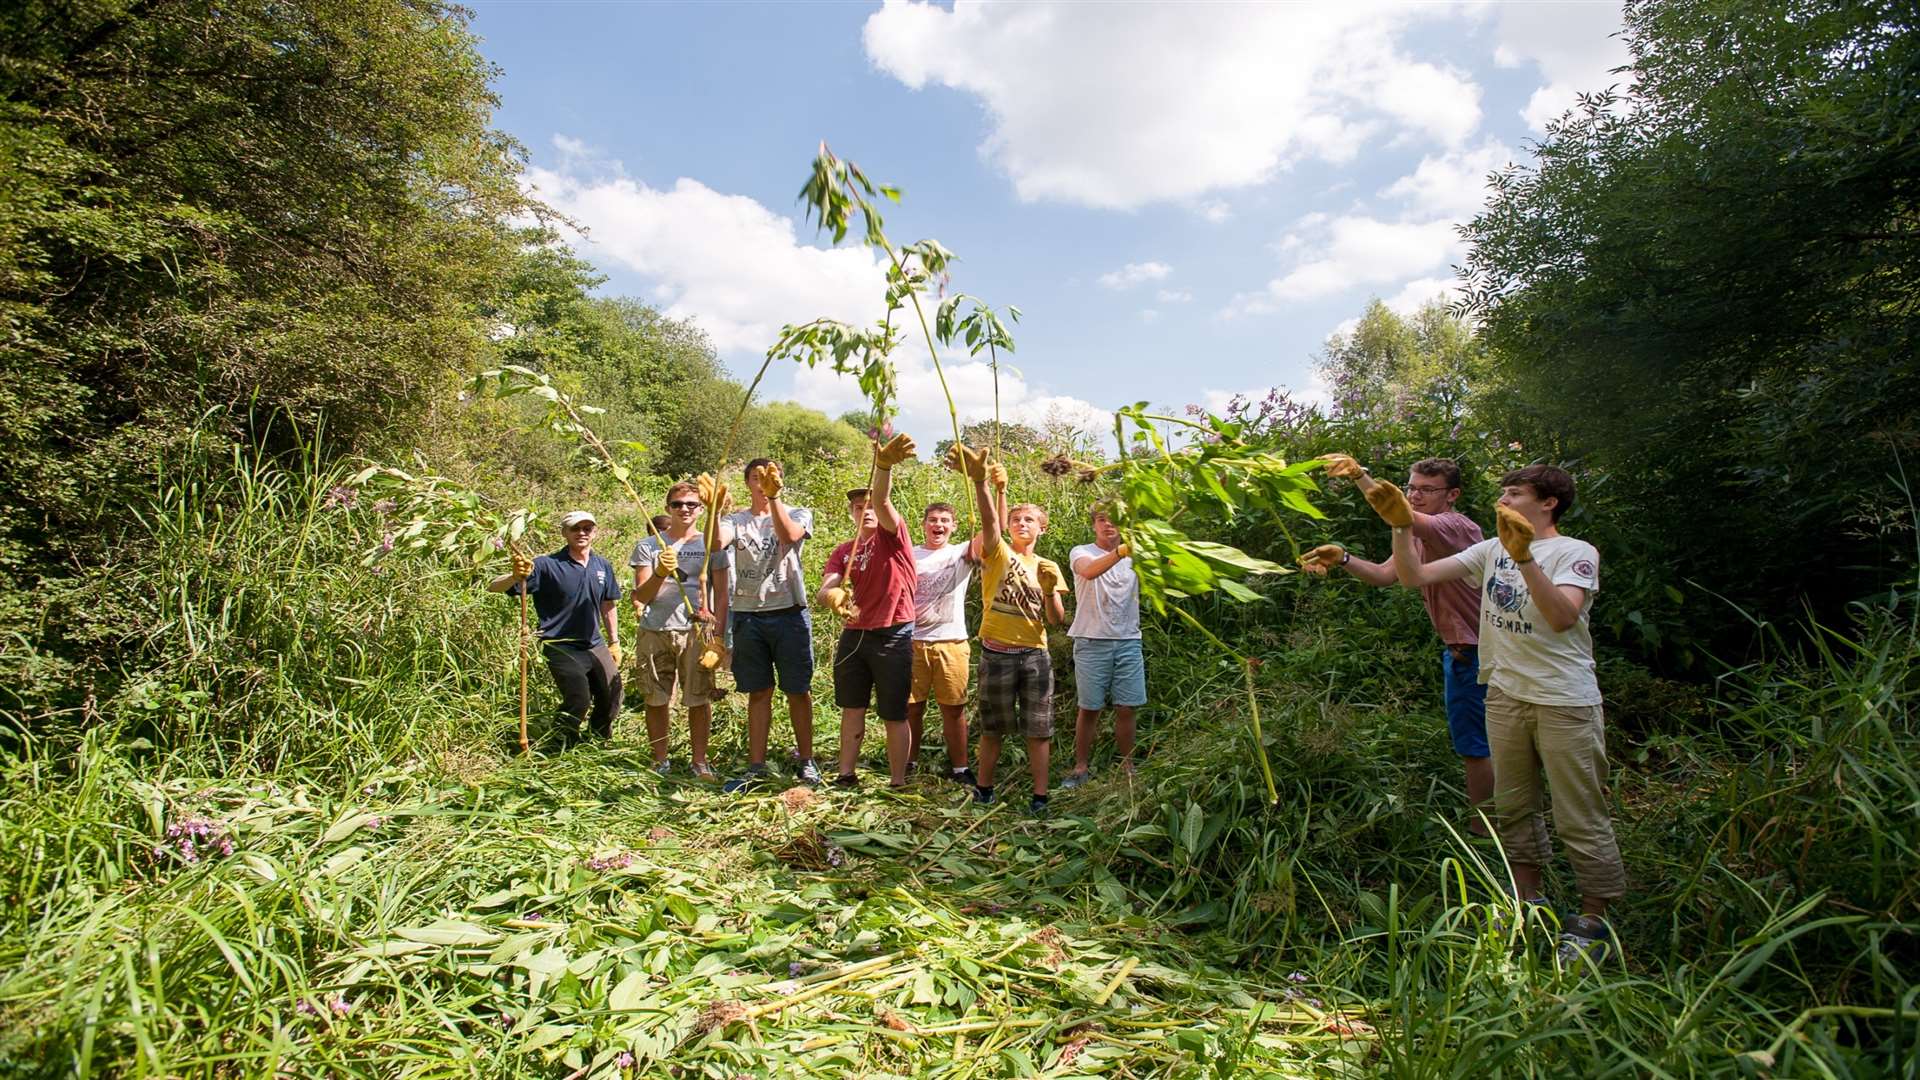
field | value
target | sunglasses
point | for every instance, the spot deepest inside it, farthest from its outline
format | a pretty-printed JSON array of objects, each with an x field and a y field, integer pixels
[{"x": 684, "y": 504}]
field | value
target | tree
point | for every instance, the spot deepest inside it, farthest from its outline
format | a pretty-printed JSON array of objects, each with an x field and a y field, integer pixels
[
  {"x": 261, "y": 216},
  {"x": 1707, "y": 285}
]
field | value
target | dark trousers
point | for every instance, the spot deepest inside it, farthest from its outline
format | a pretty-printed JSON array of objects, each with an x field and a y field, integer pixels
[{"x": 589, "y": 686}]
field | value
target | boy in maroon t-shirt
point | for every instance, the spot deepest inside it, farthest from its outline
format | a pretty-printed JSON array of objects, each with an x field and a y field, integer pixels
[
  {"x": 1433, "y": 486},
  {"x": 874, "y": 659}
]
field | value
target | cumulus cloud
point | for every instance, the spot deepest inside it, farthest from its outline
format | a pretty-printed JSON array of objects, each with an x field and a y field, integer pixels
[
  {"x": 1135, "y": 274},
  {"x": 1353, "y": 251},
  {"x": 1214, "y": 211},
  {"x": 1574, "y": 46},
  {"x": 1173, "y": 296},
  {"x": 724, "y": 261},
  {"x": 1120, "y": 105},
  {"x": 923, "y": 407},
  {"x": 1452, "y": 185},
  {"x": 1419, "y": 292}
]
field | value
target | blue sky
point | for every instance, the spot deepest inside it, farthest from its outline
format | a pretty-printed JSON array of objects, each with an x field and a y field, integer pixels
[{"x": 1184, "y": 200}]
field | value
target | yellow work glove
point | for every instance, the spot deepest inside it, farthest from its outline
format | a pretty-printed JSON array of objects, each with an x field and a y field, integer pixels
[
  {"x": 997, "y": 476},
  {"x": 898, "y": 449},
  {"x": 967, "y": 461},
  {"x": 709, "y": 657},
  {"x": 1516, "y": 533},
  {"x": 1049, "y": 574},
  {"x": 1343, "y": 466},
  {"x": 1390, "y": 503},
  {"x": 1124, "y": 550},
  {"x": 619, "y": 658},
  {"x": 839, "y": 601},
  {"x": 771, "y": 480},
  {"x": 666, "y": 562},
  {"x": 1323, "y": 558},
  {"x": 522, "y": 565}
]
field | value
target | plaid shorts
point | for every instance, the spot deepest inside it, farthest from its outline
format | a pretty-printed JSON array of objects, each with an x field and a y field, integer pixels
[{"x": 1017, "y": 680}]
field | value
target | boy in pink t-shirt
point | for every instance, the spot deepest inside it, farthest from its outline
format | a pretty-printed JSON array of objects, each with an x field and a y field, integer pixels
[
  {"x": 873, "y": 663},
  {"x": 1433, "y": 486}
]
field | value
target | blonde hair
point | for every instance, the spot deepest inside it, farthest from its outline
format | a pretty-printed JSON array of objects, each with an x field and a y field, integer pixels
[{"x": 1035, "y": 507}]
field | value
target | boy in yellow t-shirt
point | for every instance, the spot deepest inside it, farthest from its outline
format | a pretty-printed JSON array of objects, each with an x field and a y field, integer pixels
[{"x": 1022, "y": 593}]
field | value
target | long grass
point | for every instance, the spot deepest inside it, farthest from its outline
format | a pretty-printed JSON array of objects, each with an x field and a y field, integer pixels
[{"x": 406, "y": 897}]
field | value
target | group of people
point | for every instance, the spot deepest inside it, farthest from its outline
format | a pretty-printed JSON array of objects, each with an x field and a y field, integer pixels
[
  {"x": 735, "y": 593},
  {"x": 1521, "y": 694}
]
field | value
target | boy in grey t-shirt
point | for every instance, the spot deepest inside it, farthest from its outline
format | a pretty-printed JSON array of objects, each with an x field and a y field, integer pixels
[
  {"x": 669, "y": 601},
  {"x": 1543, "y": 699},
  {"x": 1108, "y": 664},
  {"x": 772, "y": 631}
]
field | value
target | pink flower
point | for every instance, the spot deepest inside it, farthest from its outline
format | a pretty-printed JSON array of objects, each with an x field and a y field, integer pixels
[{"x": 623, "y": 1060}]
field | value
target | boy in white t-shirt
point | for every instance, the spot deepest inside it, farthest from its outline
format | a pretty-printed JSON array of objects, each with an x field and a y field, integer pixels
[
  {"x": 1108, "y": 665},
  {"x": 942, "y": 656},
  {"x": 1543, "y": 698}
]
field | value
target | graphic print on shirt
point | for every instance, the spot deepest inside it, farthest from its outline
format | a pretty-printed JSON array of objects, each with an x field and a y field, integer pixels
[
  {"x": 1019, "y": 594},
  {"x": 757, "y": 559},
  {"x": 1506, "y": 594},
  {"x": 934, "y": 592}
]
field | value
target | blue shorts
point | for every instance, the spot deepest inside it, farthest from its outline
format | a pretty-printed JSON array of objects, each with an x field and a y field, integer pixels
[
  {"x": 1109, "y": 671},
  {"x": 1466, "y": 701},
  {"x": 776, "y": 641}
]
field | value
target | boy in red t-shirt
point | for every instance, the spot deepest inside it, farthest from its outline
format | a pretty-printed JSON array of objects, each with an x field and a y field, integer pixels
[{"x": 873, "y": 663}]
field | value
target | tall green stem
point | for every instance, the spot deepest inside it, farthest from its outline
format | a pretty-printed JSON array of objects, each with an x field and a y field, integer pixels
[{"x": 1253, "y": 701}]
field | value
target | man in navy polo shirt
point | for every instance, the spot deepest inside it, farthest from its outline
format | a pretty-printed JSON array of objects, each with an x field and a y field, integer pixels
[{"x": 575, "y": 592}]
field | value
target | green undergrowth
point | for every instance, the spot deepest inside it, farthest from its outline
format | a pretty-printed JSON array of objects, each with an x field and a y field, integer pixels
[{"x": 381, "y": 887}]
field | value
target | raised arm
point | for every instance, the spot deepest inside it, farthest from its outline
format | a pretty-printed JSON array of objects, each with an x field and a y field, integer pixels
[
  {"x": 897, "y": 450},
  {"x": 972, "y": 464},
  {"x": 785, "y": 529},
  {"x": 1092, "y": 566},
  {"x": 1559, "y": 604}
]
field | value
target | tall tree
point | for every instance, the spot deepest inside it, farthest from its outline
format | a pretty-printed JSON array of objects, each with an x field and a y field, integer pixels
[{"x": 1707, "y": 285}]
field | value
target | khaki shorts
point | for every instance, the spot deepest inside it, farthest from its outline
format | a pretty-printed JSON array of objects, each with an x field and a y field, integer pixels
[
  {"x": 665, "y": 658},
  {"x": 940, "y": 671}
]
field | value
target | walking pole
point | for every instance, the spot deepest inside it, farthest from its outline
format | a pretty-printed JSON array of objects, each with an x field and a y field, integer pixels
[{"x": 525, "y": 746}]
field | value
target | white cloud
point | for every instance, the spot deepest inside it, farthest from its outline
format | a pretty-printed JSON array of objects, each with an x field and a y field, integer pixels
[
  {"x": 1356, "y": 251},
  {"x": 1214, "y": 211},
  {"x": 726, "y": 262},
  {"x": 1573, "y": 45},
  {"x": 1418, "y": 293},
  {"x": 1135, "y": 274},
  {"x": 1173, "y": 296},
  {"x": 1119, "y": 105},
  {"x": 923, "y": 408},
  {"x": 1451, "y": 185}
]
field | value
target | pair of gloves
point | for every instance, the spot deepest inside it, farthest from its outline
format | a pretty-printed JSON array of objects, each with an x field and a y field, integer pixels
[
  {"x": 1387, "y": 500},
  {"x": 973, "y": 465}
]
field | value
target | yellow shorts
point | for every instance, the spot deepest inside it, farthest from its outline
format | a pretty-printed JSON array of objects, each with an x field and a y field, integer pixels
[
  {"x": 669, "y": 657},
  {"x": 940, "y": 671}
]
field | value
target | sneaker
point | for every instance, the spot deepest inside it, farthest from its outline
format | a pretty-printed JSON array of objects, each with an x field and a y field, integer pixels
[
  {"x": 755, "y": 776},
  {"x": 808, "y": 773},
  {"x": 962, "y": 775},
  {"x": 982, "y": 795},
  {"x": 1038, "y": 806},
  {"x": 664, "y": 768},
  {"x": 703, "y": 771},
  {"x": 847, "y": 781},
  {"x": 1587, "y": 937},
  {"x": 1073, "y": 780}
]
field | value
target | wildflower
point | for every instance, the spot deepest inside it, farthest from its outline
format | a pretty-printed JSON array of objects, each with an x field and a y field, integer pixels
[
  {"x": 385, "y": 506},
  {"x": 623, "y": 1060},
  {"x": 386, "y": 543},
  {"x": 306, "y": 1008},
  {"x": 619, "y": 860},
  {"x": 1296, "y": 976},
  {"x": 499, "y": 543},
  {"x": 374, "y": 823},
  {"x": 341, "y": 498},
  {"x": 340, "y": 1005}
]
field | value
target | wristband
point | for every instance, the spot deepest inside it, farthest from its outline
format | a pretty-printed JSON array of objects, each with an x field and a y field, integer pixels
[{"x": 1346, "y": 557}]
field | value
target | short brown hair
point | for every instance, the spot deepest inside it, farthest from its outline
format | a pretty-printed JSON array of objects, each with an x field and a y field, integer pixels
[
  {"x": 1035, "y": 507},
  {"x": 1547, "y": 482},
  {"x": 680, "y": 487},
  {"x": 939, "y": 508},
  {"x": 1101, "y": 509},
  {"x": 1447, "y": 469}
]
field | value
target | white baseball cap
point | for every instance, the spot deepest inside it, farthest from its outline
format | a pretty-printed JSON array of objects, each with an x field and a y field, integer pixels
[{"x": 574, "y": 517}]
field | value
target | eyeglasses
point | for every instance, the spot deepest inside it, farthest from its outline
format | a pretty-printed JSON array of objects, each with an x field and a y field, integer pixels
[
  {"x": 684, "y": 504},
  {"x": 1426, "y": 490}
]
